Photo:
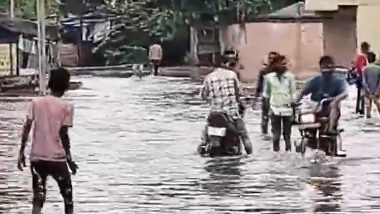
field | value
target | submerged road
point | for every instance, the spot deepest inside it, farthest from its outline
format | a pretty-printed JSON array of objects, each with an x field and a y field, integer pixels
[{"x": 135, "y": 142}]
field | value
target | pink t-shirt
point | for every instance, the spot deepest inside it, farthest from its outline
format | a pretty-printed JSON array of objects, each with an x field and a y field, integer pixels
[{"x": 49, "y": 114}]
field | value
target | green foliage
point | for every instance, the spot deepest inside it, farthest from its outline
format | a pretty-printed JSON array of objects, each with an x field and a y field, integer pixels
[
  {"x": 144, "y": 20},
  {"x": 141, "y": 21},
  {"x": 27, "y": 9}
]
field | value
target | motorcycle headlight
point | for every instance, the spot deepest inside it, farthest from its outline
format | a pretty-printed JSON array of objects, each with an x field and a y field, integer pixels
[{"x": 307, "y": 118}]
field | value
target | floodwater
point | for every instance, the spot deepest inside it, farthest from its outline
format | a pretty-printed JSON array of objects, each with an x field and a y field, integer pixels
[{"x": 135, "y": 142}]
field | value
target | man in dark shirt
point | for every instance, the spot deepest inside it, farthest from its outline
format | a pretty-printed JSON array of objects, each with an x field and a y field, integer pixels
[
  {"x": 259, "y": 90},
  {"x": 327, "y": 85}
]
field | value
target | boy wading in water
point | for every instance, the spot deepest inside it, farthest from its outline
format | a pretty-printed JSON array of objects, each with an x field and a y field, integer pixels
[{"x": 50, "y": 155}]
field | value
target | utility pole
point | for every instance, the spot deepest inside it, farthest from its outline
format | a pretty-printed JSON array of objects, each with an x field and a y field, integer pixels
[
  {"x": 12, "y": 8},
  {"x": 12, "y": 13},
  {"x": 41, "y": 46}
]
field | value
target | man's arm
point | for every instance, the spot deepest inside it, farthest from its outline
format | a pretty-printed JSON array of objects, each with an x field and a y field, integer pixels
[
  {"x": 364, "y": 81},
  {"x": 150, "y": 53},
  {"x": 27, "y": 126},
  {"x": 293, "y": 89},
  {"x": 260, "y": 83},
  {"x": 65, "y": 140},
  {"x": 160, "y": 53},
  {"x": 25, "y": 134},
  {"x": 64, "y": 135},
  {"x": 377, "y": 93},
  {"x": 343, "y": 91},
  {"x": 306, "y": 91},
  {"x": 267, "y": 88},
  {"x": 237, "y": 89}
]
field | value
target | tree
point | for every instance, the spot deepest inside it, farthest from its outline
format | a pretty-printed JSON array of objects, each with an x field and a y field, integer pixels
[
  {"x": 27, "y": 9},
  {"x": 143, "y": 20}
]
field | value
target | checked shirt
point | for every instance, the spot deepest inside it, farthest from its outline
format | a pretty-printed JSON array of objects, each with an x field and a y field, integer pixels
[{"x": 220, "y": 89}]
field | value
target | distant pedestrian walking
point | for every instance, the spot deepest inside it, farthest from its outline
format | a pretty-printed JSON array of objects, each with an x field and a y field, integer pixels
[{"x": 155, "y": 56}]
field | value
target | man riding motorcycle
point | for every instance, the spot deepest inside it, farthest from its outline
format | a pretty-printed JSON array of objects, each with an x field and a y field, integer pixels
[
  {"x": 222, "y": 91},
  {"x": 327, "y": 85}
]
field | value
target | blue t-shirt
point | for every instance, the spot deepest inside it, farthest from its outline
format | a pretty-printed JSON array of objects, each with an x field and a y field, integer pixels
[{"x": 320, "y": 87}]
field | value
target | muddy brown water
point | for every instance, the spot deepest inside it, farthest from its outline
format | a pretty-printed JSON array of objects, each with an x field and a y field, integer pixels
[{"x": 135, "y": 141}]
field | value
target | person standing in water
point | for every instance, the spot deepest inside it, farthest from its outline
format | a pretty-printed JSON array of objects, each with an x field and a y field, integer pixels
[
  {"x": 371, "y": 84},
  {"x": 155, "y": 56},
  {"x": 361, "y": 62},
  {"x": 50, "y": 155},
  {"x": 259, "y": 90},
  {"x": 280, "y": 91}
]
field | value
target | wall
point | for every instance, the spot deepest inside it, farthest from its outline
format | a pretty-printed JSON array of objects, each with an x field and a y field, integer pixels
[
  {"x": 368, "y": 25},
  {"x": 321, "y": 5},
  {"x": 367, "y": 28},
  {"x": 287, "y": 38},
  {"x": 339, "y": 32}
]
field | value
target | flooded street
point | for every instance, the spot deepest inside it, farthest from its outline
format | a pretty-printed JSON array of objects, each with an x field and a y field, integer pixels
[{"x": 135, "y": 143}]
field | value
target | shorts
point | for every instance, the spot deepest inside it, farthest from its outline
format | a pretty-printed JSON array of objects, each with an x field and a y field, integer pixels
[{"x": 60, "y": 173}]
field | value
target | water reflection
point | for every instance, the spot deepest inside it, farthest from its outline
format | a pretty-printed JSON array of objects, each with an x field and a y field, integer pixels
[
  {"x": 224, "y": 176},
  {"x": 135, "y": 140},
  {"x": 325, "y": 183}
]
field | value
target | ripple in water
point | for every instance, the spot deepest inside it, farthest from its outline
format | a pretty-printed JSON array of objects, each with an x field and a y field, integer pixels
[{"x": 135, "y": 143}]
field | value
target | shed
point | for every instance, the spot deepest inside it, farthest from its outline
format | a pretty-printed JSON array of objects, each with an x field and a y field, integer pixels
[
  {"x": 294, "y": 12},
  {"x": 10, "y": 31}
]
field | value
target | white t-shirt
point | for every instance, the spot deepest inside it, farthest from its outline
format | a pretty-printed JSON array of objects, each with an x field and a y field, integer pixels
[{"x": 155, "y": 52}]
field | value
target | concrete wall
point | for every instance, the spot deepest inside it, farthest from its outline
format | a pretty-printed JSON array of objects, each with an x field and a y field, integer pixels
[
  {"x": 368, "y": 27},
  {"x": 302, "y": 44},
  {"x": 339, "y": 32},
  {"x": 321, "y": 5}
]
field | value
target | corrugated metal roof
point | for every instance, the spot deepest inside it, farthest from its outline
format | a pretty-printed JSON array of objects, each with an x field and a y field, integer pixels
[
  {"x": 294, "y": 11},
  {"x": 22, "y": 26}
]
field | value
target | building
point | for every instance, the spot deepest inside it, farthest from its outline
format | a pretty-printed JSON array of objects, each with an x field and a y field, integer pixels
[
  {"x": 292, "y": 31},
  {"x": 81, "y": 33},
  {"x": 366, "y": 13},
  {"x": 302, "y": 34},
  {"x": 18, "y": 45}
]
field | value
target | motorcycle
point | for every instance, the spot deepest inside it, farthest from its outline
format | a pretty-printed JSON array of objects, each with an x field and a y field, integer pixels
[
  {"x": 313, "y": 127},
  {"x": 223, "y": 138}
]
